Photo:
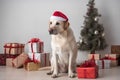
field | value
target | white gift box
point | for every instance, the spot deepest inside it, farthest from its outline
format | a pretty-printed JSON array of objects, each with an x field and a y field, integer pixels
[
  {"x": 43, "y": 58},
  {"x": 103, "y": 64},
  {"x": 36, "y": 47}
]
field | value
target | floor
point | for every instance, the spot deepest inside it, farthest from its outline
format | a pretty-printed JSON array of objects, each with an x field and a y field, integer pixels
[{"x": 9, "y": 73}]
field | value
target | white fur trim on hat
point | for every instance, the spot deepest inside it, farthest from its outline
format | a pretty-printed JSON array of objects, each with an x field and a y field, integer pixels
[{"x": 57, "y": 18}]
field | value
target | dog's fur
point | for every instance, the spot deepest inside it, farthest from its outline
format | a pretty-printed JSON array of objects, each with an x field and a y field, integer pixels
[{"x": 64, "y": 48}]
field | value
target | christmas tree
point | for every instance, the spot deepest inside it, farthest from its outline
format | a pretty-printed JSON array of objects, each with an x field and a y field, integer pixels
[{"x": 92, "y": 33}]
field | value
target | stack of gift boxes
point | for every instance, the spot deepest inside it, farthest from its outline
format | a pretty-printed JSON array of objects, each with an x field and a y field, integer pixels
[
  {"x": 15, "y": 55},
  {"x": 101, "y": 61},
  {"x": 37, "y": 56}
]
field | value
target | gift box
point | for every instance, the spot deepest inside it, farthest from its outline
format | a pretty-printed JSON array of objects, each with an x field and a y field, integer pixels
[
  {"x": 20, "y": 60},
  {"x": 89, "y": 72},
  {"x": 36, "y": 45},
  {"x": 88, "y": 69},
  {"x": 115, "y": 49},
  {"x": 9, "y": 62},
  {"x": 95, "y": 56},
  {"x": 103, "y": 64},
  {"x": 115, "y": 59},
  {"x": 43, "y": 58},
  {"x": 13, "y": 48},
  {"x": 32, "y": 66},
  {"x": 2, "y": 59}
]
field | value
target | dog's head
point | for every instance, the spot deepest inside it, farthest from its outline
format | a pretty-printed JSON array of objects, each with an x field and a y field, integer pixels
[
  {"x": 56, "y": 26},
  {"x": 58, "y": 23}
]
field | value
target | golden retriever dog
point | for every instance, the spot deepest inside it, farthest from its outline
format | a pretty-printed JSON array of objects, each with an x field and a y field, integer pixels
[{"x": 64, "y": 47}]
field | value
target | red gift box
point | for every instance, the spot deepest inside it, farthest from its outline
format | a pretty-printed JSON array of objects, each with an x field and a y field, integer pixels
[
  {"x": 88, "y": 69},
  {"x": 36, "y": 45},
  {"x": 13, "y": 48},
  {"x": 2, "y": 59},
  {"x": 87, "y": 72}
]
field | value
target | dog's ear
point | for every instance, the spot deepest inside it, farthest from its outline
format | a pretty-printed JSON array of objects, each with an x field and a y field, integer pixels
[{"x": 66, "y": 25}]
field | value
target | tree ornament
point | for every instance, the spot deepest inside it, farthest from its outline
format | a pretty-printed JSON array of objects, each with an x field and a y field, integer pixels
[
  {"x": 96, "y": 32},
  {"x": 96, "y": 18},
  {"x": 81, "y": 40},
  {"x": 103, "y": 34}
]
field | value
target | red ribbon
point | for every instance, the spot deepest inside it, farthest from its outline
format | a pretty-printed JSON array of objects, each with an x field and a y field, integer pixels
[
  {"x": 103, "y": 64},
  {"x": 29, "y": 60},
  {"x": 108, "y": 58}
]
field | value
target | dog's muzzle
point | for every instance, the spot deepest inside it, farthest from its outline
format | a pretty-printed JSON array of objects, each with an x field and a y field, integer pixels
[{"x": 53, "y": 31}]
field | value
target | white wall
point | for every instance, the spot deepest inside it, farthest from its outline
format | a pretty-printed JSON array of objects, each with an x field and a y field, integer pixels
[{"x": 21, "y": 20}]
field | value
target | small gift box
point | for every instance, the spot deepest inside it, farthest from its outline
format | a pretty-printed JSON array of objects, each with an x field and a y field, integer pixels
[
  {"x": 95, "y": 56},
  {"x": 115, "y": 49},
  {"x": 9, "y": 62},
  {"x": 103, "y": 64},
  {"x": 87, "y": 70},
  {"x": 31, "y": 66},
  {"x": 2, "y": 59},
  {"x": 13, "y": 48},
  {"x": 20, "y": 60},
  {"x": 10, "y": 58},
  {"x": 115, "y": 59},
  {"x": 36, "y": 45},
  {"x": 43, "y": 58}
]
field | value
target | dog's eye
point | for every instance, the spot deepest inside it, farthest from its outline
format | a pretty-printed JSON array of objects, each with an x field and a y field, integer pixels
[
  {"x": 50, "y": 22},
  {"x": 57, "y": 23}
]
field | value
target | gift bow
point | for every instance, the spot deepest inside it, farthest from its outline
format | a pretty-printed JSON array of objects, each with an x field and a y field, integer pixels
[
  {"x": 88, "y": 63},
  {"x": 34, "y": 40},
  {"x": 29, "y": 60}
]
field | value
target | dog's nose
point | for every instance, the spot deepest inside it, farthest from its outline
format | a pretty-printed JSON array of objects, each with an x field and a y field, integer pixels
[{"x": 50, "y": 31}]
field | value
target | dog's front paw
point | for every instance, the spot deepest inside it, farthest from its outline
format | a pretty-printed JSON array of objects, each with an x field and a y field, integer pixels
[
  {"x": 50, "y": 73},
  {"x": 54, "y": 76},
  {"x": 71, "y": 75}
]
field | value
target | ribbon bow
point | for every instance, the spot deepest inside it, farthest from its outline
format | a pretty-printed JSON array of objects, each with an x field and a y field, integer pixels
[
  {"x": 88, "y": 63},
  {"x": 34, "y": 40}
]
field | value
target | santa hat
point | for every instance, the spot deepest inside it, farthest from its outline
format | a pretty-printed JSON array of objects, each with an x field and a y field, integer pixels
[{"x": 57, "y": 15}]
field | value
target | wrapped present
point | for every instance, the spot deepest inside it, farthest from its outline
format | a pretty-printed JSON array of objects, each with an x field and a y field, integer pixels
[
  {"x": 9, "y": 62},
  {"x": 43, "y": 58},
  {"x": 115, "y": 59},
  {"x": 20, "y": 60},
  {"x": 36, "y": 45},
  {"x": 95, "y": 56},
  {"x": 115, "y": 49},
  {"x": 10, "y": 58},
  {"x": 2, "y": 59},
  {"x": 13, "y": 48},
  {"x": 103, "y": 64},
  {"x": 31, "y": 66},
  {"x": 88, "y": 69}
]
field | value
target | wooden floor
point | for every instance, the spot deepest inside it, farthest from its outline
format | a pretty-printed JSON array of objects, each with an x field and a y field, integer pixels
[{"x": 8, "y": 73}]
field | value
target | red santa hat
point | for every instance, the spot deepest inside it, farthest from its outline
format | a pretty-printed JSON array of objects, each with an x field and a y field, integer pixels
[{"x": 57, "y": 15}]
